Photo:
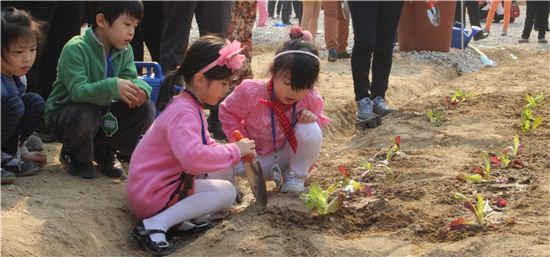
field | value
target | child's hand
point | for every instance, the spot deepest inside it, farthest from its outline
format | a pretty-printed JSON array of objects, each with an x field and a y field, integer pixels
[
  {"x": 141, "y": 96},
  {"x": 37, "y": 157},
  {"x": 247, "y": 147},
  {"x": 126, "y": 92},
  {"x": 305, "y": 116}
]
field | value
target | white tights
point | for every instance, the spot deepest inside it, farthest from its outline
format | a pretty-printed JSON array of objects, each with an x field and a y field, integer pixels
[
  {"x": 210, "y": 196},
  {"x": 309, "y": 137}
]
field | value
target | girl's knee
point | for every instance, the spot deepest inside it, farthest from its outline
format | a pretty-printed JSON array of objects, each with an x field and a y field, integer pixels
[
  {"x": 309, "y": 134},
  {"x": 229, "y": 193}
]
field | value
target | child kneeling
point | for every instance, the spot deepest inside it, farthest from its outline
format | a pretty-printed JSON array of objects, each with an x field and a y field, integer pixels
[
  {"x": 284, "y": 115},
  {"x": 162, "y": 190}
]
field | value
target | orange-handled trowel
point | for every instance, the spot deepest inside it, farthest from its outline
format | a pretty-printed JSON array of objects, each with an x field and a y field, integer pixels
[{"x": 254, "y": 174}]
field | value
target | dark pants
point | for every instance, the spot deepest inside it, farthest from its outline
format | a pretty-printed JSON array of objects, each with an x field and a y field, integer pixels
[
  {"x": 211, "y": 17},
  {"x": 149, "y": 31},
  {"x": 473, "y": 12},
  {"x": 537, "y": 12},
  {"x": 374, "y": 28},
  {"x": 77, "y": 127},
  {"x": 20, "y": 117},
  {"x": 287, "y": 11},
  {"x": 271, "y": 7}
]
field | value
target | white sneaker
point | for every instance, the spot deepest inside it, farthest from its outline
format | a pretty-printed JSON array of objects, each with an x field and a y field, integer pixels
[{"x": 293, "y": 185}]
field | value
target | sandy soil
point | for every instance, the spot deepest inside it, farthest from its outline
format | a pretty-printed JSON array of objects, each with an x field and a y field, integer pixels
[{"x": 55, "y": 214}]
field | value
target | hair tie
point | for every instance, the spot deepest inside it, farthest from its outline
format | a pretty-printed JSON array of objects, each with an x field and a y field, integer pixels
[{"x": 229, "y": 56}]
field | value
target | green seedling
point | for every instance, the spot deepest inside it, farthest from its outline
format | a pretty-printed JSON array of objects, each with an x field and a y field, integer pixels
[
  {"x": 456, "y": 98},
  {"x": 364, "y": 166},
  {"x": 476, "y": 178},
  {"x": 528, "y": 121},
  {"x": 393, "y": 149},
  {"x": 533, "y": 101},
  {"x": 435, "y": 116},
  {"x": 478, "y": 209},
  {"x": 317, "y": 199}
]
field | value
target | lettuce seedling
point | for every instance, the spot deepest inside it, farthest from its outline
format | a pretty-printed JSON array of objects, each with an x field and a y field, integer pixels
[
  {"x": 533, "y": 101},
  {"x": 393, "y": 149},
  {"x": 364, "y": 166},
  {"x": 456, "y": 98},
  {"x": 317, "y": 199},
  {"x": 434, "y": 116},
  {"x": 528, "y": 122},
  {"x": 478, "y": 210},
  {"x": 476, "y": 178}
]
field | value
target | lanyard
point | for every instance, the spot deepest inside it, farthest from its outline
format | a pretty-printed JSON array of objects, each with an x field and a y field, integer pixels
[
  {"x": 293, "y": 121},
  {"x": 109, "y": 59},
  {"x": 203, "y": 133}
]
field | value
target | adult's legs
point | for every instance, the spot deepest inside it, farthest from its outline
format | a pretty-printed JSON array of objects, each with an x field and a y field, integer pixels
[
  {"x": 364, "y": 16},
  {"x": 213, "y": 17},
  {"x": 331, "y": 23},
  {"x": 507, "y": 14},
  {"x": 286, "y": 12},
  {"x": 177, "y": 18},
  {"x": 491, "y": 15},
  {"x": 386, "y": 28},
  {"x": 343, "y": 28},
  {"x": 541, "y": 18},
  {"x": 298, "y": 9},
  {"x": 529, "y": 18}
]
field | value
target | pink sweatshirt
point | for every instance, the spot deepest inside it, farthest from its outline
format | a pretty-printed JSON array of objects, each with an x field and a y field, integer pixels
[
  {"x": 171, "y": 146},
  {"x": 242, "y": 110}
]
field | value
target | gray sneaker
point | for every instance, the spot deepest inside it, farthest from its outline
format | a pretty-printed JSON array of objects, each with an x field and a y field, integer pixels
[
  {"x": 364, "y": 109},
  {"x": 379, "y": 107},
  {"x": 366, "y": 118}
]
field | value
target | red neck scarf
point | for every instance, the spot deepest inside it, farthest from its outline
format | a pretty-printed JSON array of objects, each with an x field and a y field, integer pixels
[{"x": 280, "y": 110}]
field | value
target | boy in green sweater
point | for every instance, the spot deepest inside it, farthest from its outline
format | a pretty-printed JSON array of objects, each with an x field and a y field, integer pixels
[{"x": 98, "y": 107}]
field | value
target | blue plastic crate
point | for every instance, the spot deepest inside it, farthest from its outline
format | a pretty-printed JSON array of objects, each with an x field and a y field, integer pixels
[{"x": 153, "y": 76}]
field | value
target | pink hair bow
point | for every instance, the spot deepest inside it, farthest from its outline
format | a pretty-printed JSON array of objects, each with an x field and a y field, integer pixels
[{"x": 229, "y": 56}]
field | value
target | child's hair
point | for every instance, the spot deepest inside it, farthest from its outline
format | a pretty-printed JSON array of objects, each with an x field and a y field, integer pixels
[
  {"x": 112, "y": 9},
  {"x": 201, "y": 53},
  {"x": 19, "y": 25},
  {"x": 303, "y": 68}
]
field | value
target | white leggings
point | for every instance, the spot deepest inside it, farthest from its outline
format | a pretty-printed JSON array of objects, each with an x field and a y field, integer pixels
[
  {"x": 309, "y": 137},
  {"x": 210, "y": 196}
]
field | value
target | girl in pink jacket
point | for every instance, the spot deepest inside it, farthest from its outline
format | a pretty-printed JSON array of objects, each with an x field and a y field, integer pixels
[
  {"x": 283, "y": 115},
  {"x": 162, "y": 191}
]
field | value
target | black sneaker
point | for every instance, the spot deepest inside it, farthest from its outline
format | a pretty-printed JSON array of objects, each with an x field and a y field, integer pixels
[
  {"x": 75, "y": 168},
  {"x": 332, "y": 55},
  {"x": 344, "y": 55},
  {"x": 7, "y": 177},
  {"x": 105, "y": 159}
]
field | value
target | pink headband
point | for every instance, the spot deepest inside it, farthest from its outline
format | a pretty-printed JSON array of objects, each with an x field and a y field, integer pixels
[{"x": 229, "y": 56}]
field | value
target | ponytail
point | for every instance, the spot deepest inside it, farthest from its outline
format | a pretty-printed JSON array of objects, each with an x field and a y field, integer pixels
[{"x": 168, "y": 89}]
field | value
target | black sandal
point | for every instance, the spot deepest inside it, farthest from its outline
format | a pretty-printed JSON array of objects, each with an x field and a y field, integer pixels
[
  {"x": 200, "y": 226},
  {"x": 157, "y": 249}
]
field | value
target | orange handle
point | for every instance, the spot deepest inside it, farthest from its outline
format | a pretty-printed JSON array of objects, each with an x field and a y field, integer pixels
[{"x": 237, "y": 136}]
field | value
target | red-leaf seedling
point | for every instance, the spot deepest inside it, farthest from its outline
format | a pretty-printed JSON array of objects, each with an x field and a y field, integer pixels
[
  {"x": 393, "y": 149},
  {"x": 478, "y": 210}
]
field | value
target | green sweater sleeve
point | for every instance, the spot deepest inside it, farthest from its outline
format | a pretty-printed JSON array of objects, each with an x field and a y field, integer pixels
[
  {"x": 129, "y": 71},
  {"x": 75, "y": 78}
]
